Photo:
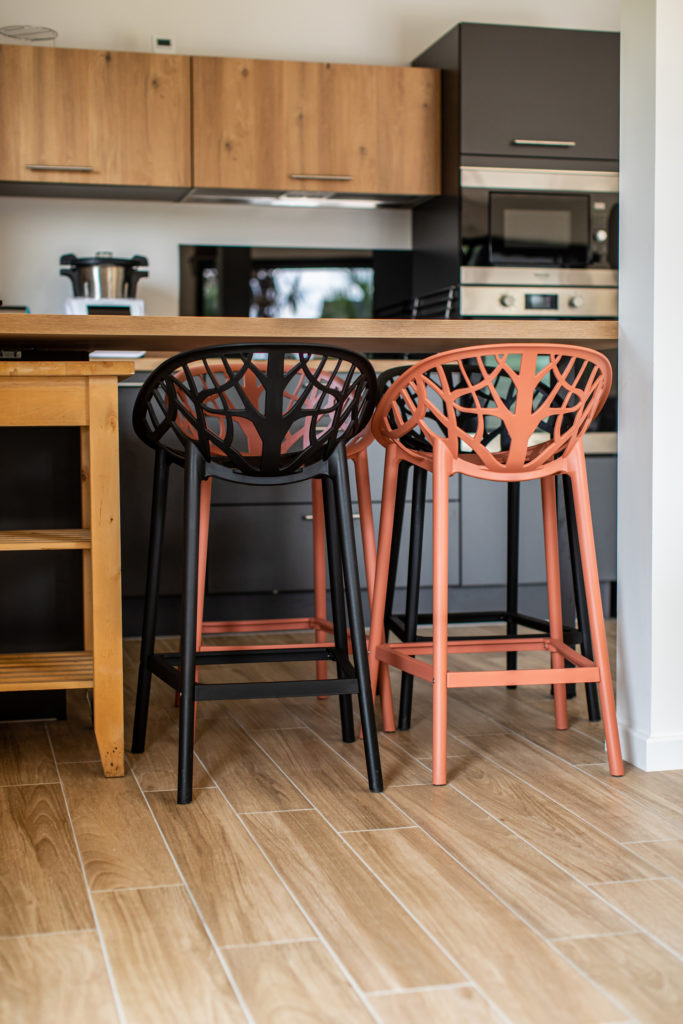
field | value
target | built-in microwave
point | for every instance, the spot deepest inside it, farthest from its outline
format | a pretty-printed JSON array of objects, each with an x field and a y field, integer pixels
[
  {"x": 518, "y": 217},
  {"x": 538, "y": 242}
]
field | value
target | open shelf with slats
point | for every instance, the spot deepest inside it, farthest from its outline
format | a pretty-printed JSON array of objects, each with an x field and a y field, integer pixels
[
  {"x": 44, "y": 540},
  {"x": 46, "y": 670}
]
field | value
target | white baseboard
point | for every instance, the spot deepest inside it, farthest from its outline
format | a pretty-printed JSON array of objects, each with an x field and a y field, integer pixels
[{"x": 651, "y": 753}]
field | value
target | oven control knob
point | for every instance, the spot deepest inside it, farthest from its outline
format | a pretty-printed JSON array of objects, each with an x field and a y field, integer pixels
[
  {"x": 600, "y": 235},
  {"x": 507, "y": 300},
  {"x": 576, "y": 301}
]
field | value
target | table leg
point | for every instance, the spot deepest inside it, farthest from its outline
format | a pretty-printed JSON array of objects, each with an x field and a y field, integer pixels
[{"x": 103, "y": 443}]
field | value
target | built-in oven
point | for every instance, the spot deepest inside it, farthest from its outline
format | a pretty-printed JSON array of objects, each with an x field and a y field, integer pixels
[{"x": 538, "y": 242}]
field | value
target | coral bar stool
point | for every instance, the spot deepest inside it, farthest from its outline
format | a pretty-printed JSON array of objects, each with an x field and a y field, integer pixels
[
  {"x": 265, "y": 415},
  {"x": 506, "y": 413}
]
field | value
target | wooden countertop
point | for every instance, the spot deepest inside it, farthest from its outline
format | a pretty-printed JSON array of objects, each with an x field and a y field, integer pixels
[{"x": 176, "y": 333}]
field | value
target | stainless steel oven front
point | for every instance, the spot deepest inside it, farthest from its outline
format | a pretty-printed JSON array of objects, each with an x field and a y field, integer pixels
[{"x": 538, "y": 242}]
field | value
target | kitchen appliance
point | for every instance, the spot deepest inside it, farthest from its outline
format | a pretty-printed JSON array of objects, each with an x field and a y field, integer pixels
[
  {"x": 103, "y": 276},
  {"x": 538, "y": 242}
]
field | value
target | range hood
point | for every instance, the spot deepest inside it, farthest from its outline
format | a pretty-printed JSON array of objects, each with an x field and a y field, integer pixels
[{"x": 302, "y": 200}]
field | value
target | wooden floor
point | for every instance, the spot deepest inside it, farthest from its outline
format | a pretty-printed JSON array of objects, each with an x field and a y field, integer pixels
[{"x": 532, "y": 889}]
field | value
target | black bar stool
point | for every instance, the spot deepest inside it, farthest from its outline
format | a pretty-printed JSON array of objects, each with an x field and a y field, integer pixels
[
  {"x": 260, "y": 415},
  {"x": 404, "y": 625}
]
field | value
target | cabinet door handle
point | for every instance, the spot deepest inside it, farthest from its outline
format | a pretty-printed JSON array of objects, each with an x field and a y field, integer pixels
[
  {"x": 77, "y": 168},
  {"x": 309, "y": 517},
  {"x": 543, "y": 142},
  {"x": 322, "y": 177}
]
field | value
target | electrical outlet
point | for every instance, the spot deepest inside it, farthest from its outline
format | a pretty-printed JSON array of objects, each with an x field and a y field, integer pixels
[{"x": 163, "y": 44}]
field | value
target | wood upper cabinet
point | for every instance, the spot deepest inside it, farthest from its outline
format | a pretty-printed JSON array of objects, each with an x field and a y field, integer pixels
[
  {"x": 285, "y": 126},
  {"x": 124, "y": 118}
]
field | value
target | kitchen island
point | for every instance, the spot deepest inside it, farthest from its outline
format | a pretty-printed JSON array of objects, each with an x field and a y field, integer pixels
[
  {"x": 165, "y": 334},
  {"x": 281, "y": 584}
]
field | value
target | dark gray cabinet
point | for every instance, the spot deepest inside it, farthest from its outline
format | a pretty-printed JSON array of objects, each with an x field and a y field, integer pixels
[
  {"x": 531, "y": 96},
  {"x": 557, "y": 86},
  {"x": 484, "y": 510}
]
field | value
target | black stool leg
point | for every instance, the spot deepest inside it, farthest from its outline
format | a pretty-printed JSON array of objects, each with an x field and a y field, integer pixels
[
  {"x": 512, "y": 582},
  {"x": 159, "y": 492},
  {"x": 188, "y": 637},
  {"x": 339, "y": 468},
  {"x": 336, "y": 573},
  {"x": 397, "y": 526},
  {"x": 592, "y": 700},
  {"x": 417, "y": 519}
]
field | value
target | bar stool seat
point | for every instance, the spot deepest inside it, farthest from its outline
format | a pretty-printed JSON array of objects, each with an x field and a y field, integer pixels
[
  {"x": 262, "y": 415},
  {"x": 505, "y": 413}
]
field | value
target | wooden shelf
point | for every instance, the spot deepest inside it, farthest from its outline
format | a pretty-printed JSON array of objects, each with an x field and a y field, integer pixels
[
  {"x": 46, "y": 670},
  {"x": 44, "y": 540}
]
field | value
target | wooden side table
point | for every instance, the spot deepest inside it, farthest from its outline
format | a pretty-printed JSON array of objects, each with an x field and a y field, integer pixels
[{"x": 84, "y": 395}]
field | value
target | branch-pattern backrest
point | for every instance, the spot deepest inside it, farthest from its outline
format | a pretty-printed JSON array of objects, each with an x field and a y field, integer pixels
[
  {"x": 501, "y": 408},
  {"x": 266, "y": 410}
]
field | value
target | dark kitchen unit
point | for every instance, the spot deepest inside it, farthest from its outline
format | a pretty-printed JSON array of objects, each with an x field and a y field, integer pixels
[
  {"x": 527, "y": 225},
  {"x": 231, "y": 280}
]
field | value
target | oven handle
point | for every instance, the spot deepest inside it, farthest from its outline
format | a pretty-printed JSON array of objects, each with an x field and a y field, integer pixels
[{"x": 543, "y": 142}]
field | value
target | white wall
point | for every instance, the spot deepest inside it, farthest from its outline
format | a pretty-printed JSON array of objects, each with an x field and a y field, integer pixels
[
  {"x": 35, "y": 232},
  {"x": 650, "y": 540}
]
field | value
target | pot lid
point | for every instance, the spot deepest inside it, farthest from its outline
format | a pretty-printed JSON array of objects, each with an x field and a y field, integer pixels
[{"x": 102, "y": 259}]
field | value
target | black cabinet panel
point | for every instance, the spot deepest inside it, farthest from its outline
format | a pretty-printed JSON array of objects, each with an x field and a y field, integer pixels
[
  {"x": 539, "y": 84},
  {"x": 484, "y": 519}
]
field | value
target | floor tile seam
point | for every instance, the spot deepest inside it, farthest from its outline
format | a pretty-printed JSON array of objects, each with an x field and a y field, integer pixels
[
  {"x": 383, "y": 828},
  {"x": 638, "y": 926},
  {"x": 469, "y": 980},
  {"x": 8, "y": 936},
  {"x": 593, "y": 935},
  {"x": 641, "y": 800},
  {"x": 26, "y": 785},
  {"x": 209, "y": 934},
  {"x": 306, "y": 916},
  {"x": 118, "y": 1002},
  {"x": 381, "y": 992},
  {"x": 265, "y": 943},
  {"x": 558, "y": 864},
  {"x": 299, "y": 789},
  {"x": 77, "y": 760},
  {"x": 564, "y": 806},
  {"x": 635, "y": 881},
  {"x": 515, "y": 914},
  {"x": 272, "y": 810},
  {"x": 138, "y": 888}
]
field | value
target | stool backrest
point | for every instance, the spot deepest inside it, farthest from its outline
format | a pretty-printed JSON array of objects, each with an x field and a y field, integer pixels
[
  {"x": 262, "y": 410},
  {"x": 500, "y": 408}
]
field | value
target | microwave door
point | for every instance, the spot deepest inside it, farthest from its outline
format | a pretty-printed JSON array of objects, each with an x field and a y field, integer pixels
[{"x": 547, "y": 229}]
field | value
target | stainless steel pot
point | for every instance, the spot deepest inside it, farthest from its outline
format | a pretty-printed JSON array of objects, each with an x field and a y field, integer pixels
[{"x": 103, "y": 276}]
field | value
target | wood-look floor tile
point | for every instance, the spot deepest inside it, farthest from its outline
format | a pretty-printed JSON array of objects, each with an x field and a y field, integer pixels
[
  {"x": 156, "y": 768},
  {"x": 663, "y": 790},
  {"x": 511, "y": 965},
  {"x": 26, "y": 755},
  {"x": 656, "y": 906},
  {"x": 461, "y": 1005},
  {"x": 556, "y": 832},
  {"x": 42, "y": 883},
  {"x": 399, "y": 768},
  {"x": 538, "y": 726},
  {"x": 247, "y": 776},
  {"x": 665, "y": 857},
  {"x": 373, "y": 936},
  {"x": 164, "y": 965},
  {"x": 339, "y": 793},
  {"x": 254, "y": 715},
  {"x": 613, "y": 812},
  {"x": 74, "y": 738},
  {"x": 118, "y": 838},
  {"x": 217, "y": 856},
  {"x": 73, "y": 985},
  {"x": 512, "y": 706},
  {"x": 321, "y": 716},
  {"x": 541, "y": 893},
  {"x": 636, "y": 971},
  {"x": 293, "y": 982}
]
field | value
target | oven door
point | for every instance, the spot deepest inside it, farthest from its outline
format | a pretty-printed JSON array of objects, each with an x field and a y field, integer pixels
[{"x": 540, "y": 228}]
